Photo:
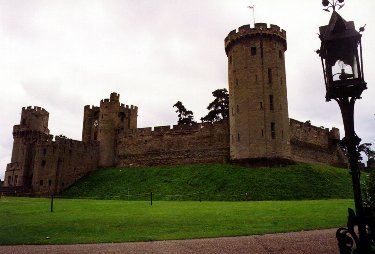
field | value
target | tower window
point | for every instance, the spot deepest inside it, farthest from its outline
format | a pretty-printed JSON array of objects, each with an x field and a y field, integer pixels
[
  {"x": 273, "y": 132},
  {"x": 269, "y": 75},
  {"x": 256, "y": 77},
  {"x": 262, "y": 133},
  {"x": 49, "y": 182},
  {"x": 271, "y": 102},
  {"x": 238, "y": 109},
  {"x": 253, "y": 51},
  {"x": 261, "y": 105},
  {"x": 41, "y": 182},
  {"x": 238, "y": 137},
  {"x": 43, "y": 163},
  {"x": 237, "y": 82}
]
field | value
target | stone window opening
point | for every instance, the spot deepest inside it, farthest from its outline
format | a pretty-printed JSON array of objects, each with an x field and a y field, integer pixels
[
  {"x": 41, "y": 182},
  {"x": 253, "y": 51},
  {"x": 256, "y": 78},
  {"x": 262, "y": 133},
  {"x": 43, "y": 163},
  {"x": 269, "y": 75},
  {"x": 238, "y": 137},
  {"x": 238, "y": 109},
  {"x": 261, "y": 105},
  {"x": 49, "y": 182},
  {"x": 273, "y": 131},
  {"x": 237, "y": 82},
  {"x": 271, "y": 102}
]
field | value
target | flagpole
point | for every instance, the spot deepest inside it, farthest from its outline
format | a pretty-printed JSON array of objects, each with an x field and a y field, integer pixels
[{"x": 252, "y": 7}]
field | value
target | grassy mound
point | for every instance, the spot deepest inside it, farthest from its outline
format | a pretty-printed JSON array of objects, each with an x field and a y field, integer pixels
[{"x": 215, "y": 182}]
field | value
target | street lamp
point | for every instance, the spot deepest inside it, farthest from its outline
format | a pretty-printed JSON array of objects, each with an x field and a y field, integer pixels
[{"x": 341, "y": 55}]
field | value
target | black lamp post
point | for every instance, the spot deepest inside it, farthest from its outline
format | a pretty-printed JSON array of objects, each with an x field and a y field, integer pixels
[{"x": 341, "y": 55}]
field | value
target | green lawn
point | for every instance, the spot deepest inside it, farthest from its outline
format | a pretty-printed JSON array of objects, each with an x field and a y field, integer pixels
[
  {"x": 215, "y": 182},
  {"x": 29, "y": 220}
]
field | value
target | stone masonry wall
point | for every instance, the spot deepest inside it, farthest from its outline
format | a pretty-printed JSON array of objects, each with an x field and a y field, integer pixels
[
  {"x": 311, "y": 144},
  {"x": 58, "y": 164},
  {"x": 206, "y": 143},
  {"x": 201, "y": 143}
]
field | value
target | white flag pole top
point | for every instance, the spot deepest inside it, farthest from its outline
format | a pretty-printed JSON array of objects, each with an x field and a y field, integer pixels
[{"x": 252, "y": 7}]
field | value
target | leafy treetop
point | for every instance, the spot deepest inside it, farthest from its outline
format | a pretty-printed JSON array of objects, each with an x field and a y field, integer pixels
[
  {"x": 184, "y": 116},
  {"x": 219, "y": 107}
]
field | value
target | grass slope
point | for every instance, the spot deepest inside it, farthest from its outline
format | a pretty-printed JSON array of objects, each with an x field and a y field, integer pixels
[
  {"x": 29, "y": 220},
  {"x": 215, "y": 182}
]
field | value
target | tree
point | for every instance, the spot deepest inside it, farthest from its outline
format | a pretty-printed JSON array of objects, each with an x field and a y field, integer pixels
[
  {"x": 219, "y": 107},
  {"x": 184, "y": 116},
  {"x": 366, "y": 149}
]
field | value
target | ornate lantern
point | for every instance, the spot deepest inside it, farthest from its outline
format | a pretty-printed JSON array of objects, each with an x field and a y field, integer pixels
[{"x": 342, "y": 64}]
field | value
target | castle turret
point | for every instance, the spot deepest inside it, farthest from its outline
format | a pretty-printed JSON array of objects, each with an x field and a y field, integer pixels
[
  {"x": 259, "y": 122},
  {"x": 33, "y": 127},
  {"x": 109, "y": 109},
  {"x": 90, "y": 123},
  {"x": 113, "y": 117}
]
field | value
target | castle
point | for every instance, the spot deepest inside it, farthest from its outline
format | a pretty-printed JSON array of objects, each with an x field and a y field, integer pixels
[{"x": 258, "y": 131}]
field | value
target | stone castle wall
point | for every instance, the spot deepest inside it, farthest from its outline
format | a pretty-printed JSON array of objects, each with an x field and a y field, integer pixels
[
  {"x": 311, "y": 144},
  {"x": 58, "y": 164},
  {"x": 207, "y": 143},
  {"x": 200, "y": 143}
]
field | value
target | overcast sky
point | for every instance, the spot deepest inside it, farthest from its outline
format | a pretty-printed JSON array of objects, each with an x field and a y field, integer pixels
[{"x": 62, "y": 55}]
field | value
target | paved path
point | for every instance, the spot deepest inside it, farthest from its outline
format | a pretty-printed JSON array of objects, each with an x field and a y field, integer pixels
[{"x": 305, "y": 242}]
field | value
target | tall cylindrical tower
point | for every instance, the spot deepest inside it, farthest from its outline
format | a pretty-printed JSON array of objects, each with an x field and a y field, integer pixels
[{"x": 258, "y": 117}]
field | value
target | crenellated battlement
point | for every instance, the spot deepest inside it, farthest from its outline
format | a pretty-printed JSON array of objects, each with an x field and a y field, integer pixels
[
  {"x": 174, "y": 129},
  {"x": 260, "y": 29},
  {"x": 91, "y": 108},
  {"x": 31, "y": 109},
  {"x": 114, "y": 98},
  {"x": 128, "y": 108}
]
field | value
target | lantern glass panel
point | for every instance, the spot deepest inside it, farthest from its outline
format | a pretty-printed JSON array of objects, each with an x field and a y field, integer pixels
[{"x": 343, "y": 71}]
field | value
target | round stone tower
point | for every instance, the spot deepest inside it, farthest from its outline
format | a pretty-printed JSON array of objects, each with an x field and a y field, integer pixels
[
  {"x": 34, "y": 119},
  {"x": 259, "y": 122},
  {"x": 33, "y": 125}
]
